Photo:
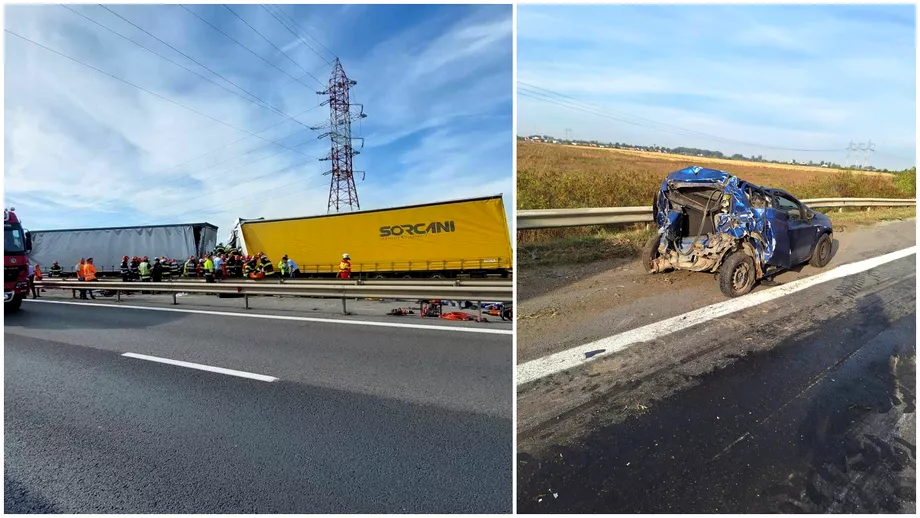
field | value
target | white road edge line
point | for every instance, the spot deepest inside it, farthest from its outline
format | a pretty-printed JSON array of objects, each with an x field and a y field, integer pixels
[
  {"x": 285, "y": 317},
  {"x": 561, "y": 361},
  {"x": 219, "y": 370}
]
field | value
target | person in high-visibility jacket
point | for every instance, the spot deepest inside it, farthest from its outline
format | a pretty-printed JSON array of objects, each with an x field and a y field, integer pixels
[
  {"x": 89, "y": 275},
  {"x": 208, "y": 268},
  {"x": 345, "y": 267},
  {"x": 283, "y": 266},
  {"x": 190, "y": 265},
  {"x": 38, "y": 277},
  {"x": 145, "y": 270}
]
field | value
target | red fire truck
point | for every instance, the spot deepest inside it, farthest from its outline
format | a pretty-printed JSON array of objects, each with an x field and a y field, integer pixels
[{"x": 17, "y": 245}]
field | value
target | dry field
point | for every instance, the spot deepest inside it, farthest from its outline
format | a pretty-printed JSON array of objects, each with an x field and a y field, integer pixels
[
  {"x": 557, "y": 177},
  {"x": 716, "y": 163}
]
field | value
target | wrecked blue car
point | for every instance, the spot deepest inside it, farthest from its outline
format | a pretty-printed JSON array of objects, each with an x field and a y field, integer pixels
[{"x": 711, "y": 221}]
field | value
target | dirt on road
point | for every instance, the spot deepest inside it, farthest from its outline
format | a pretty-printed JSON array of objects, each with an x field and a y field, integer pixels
[{"x": 563, "y": 306}]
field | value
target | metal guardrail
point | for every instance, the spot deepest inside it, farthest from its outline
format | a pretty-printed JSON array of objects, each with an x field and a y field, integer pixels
[
  {"x": 560, "y": 218},
  {"x": 341, "y": 290}
]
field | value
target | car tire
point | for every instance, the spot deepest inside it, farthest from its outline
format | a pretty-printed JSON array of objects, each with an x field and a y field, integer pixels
[
  {"x": 13, "y": 305},
  {"x": 506, "y": 314},
  {"x": 650, "y": 252},
  {"x": 737, "y": 275},
  {"x": 822, "y": 254}
]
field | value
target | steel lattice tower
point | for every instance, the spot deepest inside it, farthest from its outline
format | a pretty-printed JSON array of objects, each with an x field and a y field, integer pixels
[{"x": 342, "y": 190}]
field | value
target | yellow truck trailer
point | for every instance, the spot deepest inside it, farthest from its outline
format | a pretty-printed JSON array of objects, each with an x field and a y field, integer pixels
[{"x": 436, "y": 240}]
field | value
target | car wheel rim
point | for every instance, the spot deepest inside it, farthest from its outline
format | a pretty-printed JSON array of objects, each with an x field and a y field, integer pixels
[
  {"x": 825, "y": 250},
  {"x": 740, "y": 276}
]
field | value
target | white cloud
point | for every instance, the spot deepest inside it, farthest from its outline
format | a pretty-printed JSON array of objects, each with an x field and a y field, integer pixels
[{"x": 116, "y": 150}]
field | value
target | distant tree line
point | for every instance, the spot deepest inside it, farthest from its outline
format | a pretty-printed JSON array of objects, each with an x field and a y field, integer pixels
[{"x": 691, "y": 151}]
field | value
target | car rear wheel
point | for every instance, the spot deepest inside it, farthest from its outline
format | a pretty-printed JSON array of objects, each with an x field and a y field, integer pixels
[
  {"x": 650, "y": 253},
  {"x": 822, "y": 253},
  {"x": 737, "y": 275}
]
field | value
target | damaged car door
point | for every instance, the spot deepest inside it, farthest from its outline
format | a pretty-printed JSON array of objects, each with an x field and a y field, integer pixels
[{"x": 801, "y": 232}]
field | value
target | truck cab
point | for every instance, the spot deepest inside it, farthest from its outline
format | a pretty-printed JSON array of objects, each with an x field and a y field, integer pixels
[{"x": 17, "y": 245}]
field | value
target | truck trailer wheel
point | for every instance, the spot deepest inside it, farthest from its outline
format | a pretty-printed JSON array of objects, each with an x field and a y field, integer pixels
[
  {"x": 650, "y": 253},
  {"x": 737, "y": 275}
]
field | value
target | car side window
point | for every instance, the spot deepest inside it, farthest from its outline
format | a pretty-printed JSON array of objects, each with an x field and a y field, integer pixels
[{"x": 788, "y": 206}]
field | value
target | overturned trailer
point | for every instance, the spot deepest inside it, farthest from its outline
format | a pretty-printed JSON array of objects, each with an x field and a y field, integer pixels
[
  {"x": 466, "y": 237},
  {"x": 107, "y": 246}
]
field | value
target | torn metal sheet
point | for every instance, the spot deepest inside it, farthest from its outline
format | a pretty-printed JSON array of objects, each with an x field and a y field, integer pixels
[{"x": 704, "y": 214}]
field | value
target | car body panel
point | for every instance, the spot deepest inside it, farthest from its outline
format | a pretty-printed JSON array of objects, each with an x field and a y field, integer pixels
[{"x": 771, "y": 225}]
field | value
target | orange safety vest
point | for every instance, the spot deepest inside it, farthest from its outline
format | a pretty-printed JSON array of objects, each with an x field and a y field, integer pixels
[
  {"x": 38, "y": 273},
  {"x": 89, "y": 272}
]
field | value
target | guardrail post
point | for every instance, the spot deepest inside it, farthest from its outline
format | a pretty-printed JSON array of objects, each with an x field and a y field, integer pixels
[
  {"x": 344, "y": 307},
  {"x": 175, "y": 302},
  {"x": 246, "y": 298},
  {"x": 479, "y": 306},
  {"x": 118, "y": 295}
]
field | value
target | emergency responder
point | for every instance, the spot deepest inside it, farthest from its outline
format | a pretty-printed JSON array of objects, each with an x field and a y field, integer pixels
[
  {"x": 266, "y": 265},
  {"x": 208, "y": 268},
  {"x": 166, "y": 268},
  {"x": 89, "y": 275},
  {"x": 38, "y": 277},
  {"x": 156, "y": 270},
  {"x": 125, "y": 269},
  {"x": 190, "y": 265},
  {"x": 174, "y": 269},
  {"x": 345, "y": 267},
  {"x": 220, "y": 266},
  {"x": 56, "y": 270},
  {"x": 144, "y": 270},
  {"x": 292, "y": 268},
  {"x": 135, "y": 267},
  {"x": 283, "y": 267}
]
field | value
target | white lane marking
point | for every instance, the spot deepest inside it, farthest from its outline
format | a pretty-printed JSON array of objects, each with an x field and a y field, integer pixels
[
  {"x": 285, "y": 317},
  {"x": 219, "y": 370},
  {"x": 561, "y": 361}
]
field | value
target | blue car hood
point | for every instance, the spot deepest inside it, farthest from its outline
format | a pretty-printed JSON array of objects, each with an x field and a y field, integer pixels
[{"x": 741, "y": 221}]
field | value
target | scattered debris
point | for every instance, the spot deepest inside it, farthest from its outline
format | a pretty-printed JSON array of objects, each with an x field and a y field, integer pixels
[
  {"x": 401, "y": 312},
  {"x": 593, "y": 353}
]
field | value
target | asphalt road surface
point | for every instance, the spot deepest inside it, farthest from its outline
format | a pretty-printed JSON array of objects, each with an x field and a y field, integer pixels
[
  {"x": 803, "y": 403},
  {"x": 360, "y": 419}
]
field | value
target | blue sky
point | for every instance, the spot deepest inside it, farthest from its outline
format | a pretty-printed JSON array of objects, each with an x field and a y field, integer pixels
[
  {"x": 800, "y": 77},
  {"x": 85, "y": 150}
]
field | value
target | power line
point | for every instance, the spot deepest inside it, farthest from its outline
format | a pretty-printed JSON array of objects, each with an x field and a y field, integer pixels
[
  {"x": 186, "y": 182},
  {"x": 257, "y": 193},
  {"x": 273, "y": 45},
  {"x": 242, "y": 139},
  {"x": 280, "y": 112},
  {"x": 258, "y": 101},
  {"x": 227, "y": 171},
  {"x": 146, "y": 90},
  {"x": 294, "y": 21},
  {"x": 285, "y": 24},
  {"x": 662, "y": 126},
  {"x": 231, "y": 38}
]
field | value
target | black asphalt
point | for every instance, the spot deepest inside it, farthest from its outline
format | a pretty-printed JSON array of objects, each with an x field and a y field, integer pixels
[
  {"x": 362, "y": 419},
  {"x": 786, "y": 429}
]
